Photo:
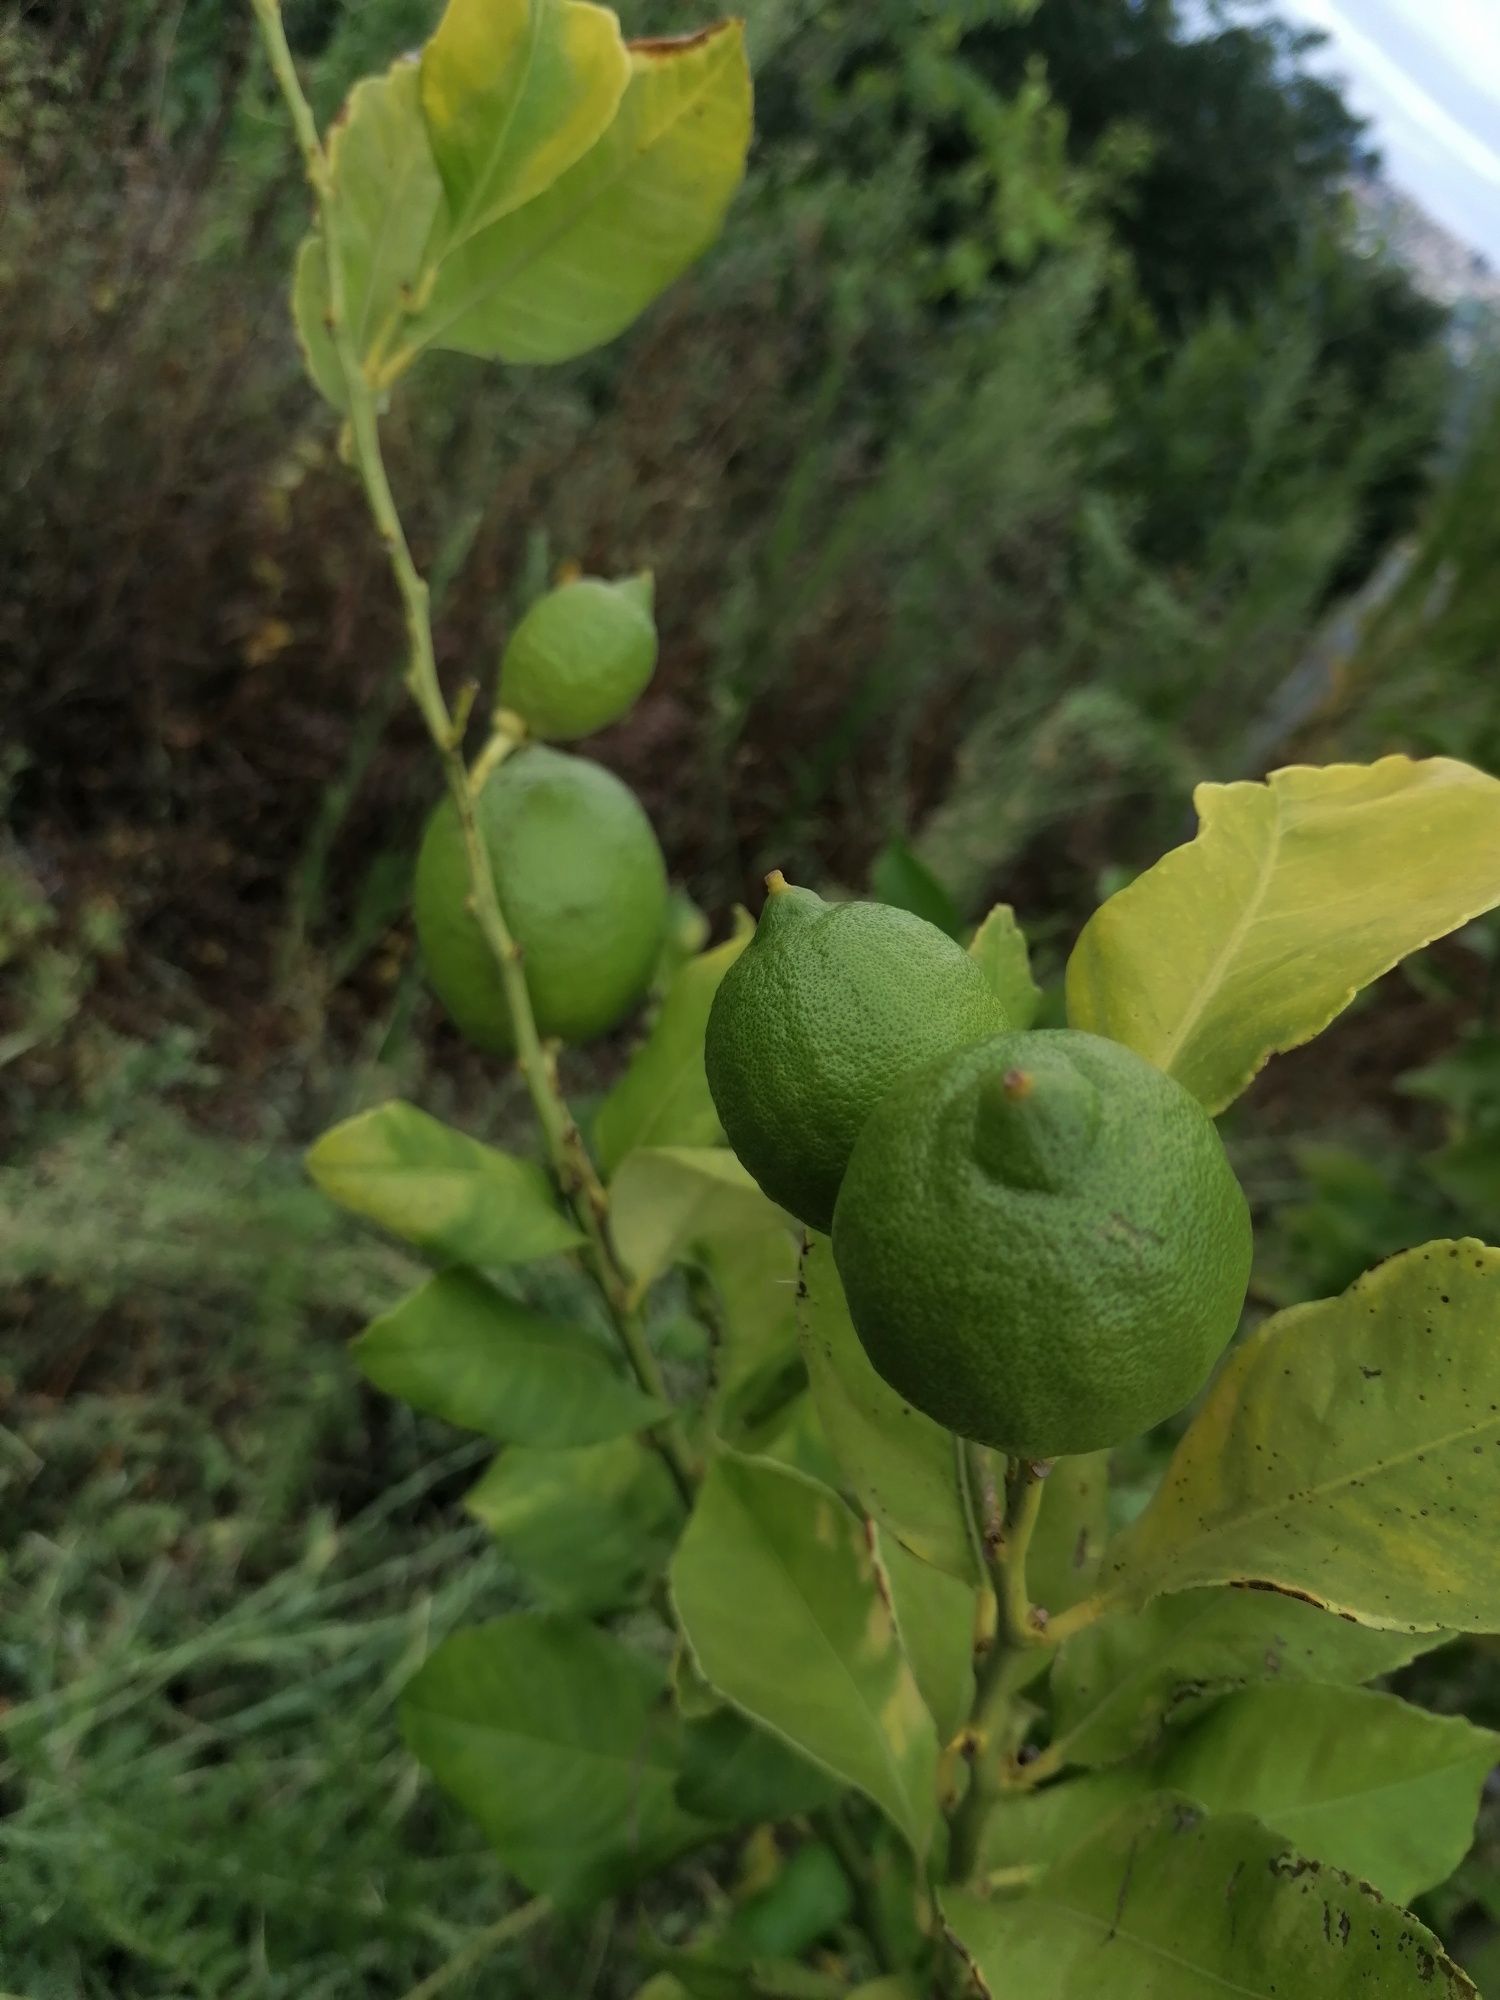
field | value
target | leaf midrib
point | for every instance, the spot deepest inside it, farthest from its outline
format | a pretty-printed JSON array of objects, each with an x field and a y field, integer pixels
[
  {"x": 1247, "y": 919},
  {"x": 432, "y": 333}
]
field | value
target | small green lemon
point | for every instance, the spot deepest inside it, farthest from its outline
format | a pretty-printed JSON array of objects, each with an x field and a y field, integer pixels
[
  {"x": 583, "y": 887},
  {"x": 1042, "y": 1242},
  {"x": 581, "y": 657},
  {"x": 825, "y": 1009}
]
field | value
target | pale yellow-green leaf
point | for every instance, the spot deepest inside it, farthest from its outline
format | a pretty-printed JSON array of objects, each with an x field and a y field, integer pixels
[
  {"x": 1349, "y": 1453},
  {"x": 665, "y": 1199},
  {"x": 776, "y": 1590},
  {"x": 450, "y": 1195},
  {"x": 516, "y": 91},
  {"x": 575, "y": 265},
  {"x": 1294, "y": 895},
  {"x": 387, "y": 197},
  {"x": 901, "y": 1466}
]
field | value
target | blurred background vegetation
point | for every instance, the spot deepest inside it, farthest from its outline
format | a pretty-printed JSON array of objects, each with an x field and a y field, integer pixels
[{"x": 1047, "y": 433}]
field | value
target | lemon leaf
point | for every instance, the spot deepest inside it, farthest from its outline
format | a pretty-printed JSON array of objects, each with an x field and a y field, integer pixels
[
  {"x": 560, "y": 1744},
  {"x": 698, "y": 1207},
  {"x": 899, "y": 1464},
  {"x": 387, "y": 199},
  {"x": 1352, "y": 1776},
  {"x": 1349, "y": 1454},
  {"x": 1294, "y": 895},
  {"x": 514, "y": 92},
  {"x": 462, "y": 1351},
  {"x": 574, "y": 266},
  {"x": 589, "y": 1530},
  {"x": 662, "y": 1099},
  {"x": 1167, "y": 1901},
  {"x": 450, "y": 1195},
  {"x": 999, "y": 946},
  {"x": 777, "y": 1593},
  {"x": 1118, "y": 1683}
]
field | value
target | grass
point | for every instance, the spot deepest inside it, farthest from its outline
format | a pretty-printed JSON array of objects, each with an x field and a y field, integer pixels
[{"x": 224, "y": 1559}]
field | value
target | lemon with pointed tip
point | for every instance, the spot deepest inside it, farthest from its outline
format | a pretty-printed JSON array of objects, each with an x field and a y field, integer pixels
[
  {"x": 581, "y": 881},
  {"x": 828, "y": 1005},
  {"x": 581, "y": 657},
  {"x": 1042, "y": 1242}
]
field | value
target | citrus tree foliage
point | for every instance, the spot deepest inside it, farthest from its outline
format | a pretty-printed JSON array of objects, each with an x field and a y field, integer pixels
[{"x": 1005, "y": 1741}]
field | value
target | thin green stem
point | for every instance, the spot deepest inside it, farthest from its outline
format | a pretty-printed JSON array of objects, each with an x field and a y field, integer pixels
[
  {"x": 868, "y": 1908},
  {"x": 511, "y": 1926},
  {"x": 1005, "y": 1535},
  {"x": 573, "y": 1168}
]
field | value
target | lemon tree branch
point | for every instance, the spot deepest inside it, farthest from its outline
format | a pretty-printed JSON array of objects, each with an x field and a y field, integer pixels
[{"x": 569, "y": 1157}]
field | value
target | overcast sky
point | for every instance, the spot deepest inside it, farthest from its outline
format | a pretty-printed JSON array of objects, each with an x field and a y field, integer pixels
[{"x": 1428, "y": 73}]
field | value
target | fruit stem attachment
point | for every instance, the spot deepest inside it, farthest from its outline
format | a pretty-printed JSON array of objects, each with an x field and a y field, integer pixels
[
  {"x": 1004, "y": 1536},
  {"x": 572, "y": 1167}
]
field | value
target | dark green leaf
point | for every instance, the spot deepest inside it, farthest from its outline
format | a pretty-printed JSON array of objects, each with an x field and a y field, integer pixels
[
  {"x": 737, "y": 1774},
  {"x": 897, "y": 877},
  {"x": 561, "y": 1744}
]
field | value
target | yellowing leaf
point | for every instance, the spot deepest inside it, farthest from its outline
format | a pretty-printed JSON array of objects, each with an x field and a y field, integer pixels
[
  {"x": 1294, "y": 895},
  {"x": 515, "y": 91},
  {"x": 387, "y": 196},
  {"x": 1349, "y": 1453},
  {"x": 575, "y": 265}
]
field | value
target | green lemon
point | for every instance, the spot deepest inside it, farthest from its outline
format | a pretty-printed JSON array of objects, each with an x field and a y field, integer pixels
[
  {"x": 581, "y": 656},
  {"x": 824, "y": 1010},
  {"x": 583, "y": 887},
  {"x": 1042, "y": 1242}
]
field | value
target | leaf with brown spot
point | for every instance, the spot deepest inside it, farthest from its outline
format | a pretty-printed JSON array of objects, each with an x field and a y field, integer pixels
[
  {"x": 1167, "y": 1902},
  {"x": 1373, "y": 1495}
]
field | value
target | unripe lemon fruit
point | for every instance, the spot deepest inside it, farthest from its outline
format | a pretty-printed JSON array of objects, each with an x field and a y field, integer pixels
[
  {"x": 581, "y": 657},
  {"x": 582, "y": 884},
  {"x": 1042, "y": 1243},
  {"x": 828, "y": 1005}
]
